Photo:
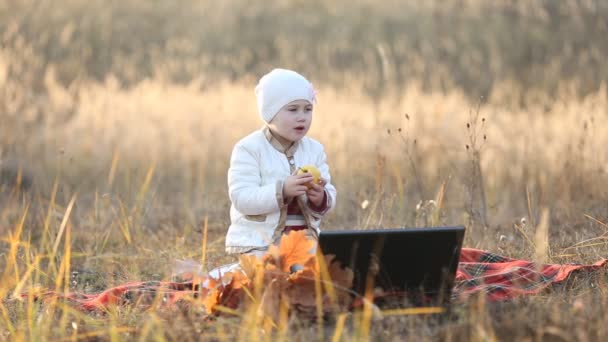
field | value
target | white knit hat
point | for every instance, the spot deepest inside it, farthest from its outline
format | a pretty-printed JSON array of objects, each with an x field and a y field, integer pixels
[{"x": 280, "y": 87}]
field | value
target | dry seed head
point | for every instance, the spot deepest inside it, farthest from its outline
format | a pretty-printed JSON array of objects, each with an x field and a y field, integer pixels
[{"x": 364, "y": 204}]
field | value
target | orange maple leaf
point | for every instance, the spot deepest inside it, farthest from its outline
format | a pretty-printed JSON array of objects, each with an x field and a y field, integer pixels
[
  {"x": 295, "y": 249},
  {"x": 239, "y": 280},
  {"x": 211, "y": 300}
]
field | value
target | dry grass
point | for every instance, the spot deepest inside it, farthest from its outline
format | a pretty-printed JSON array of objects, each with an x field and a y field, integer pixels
[
  {"x": 103, "y": 183},
  {"x": 473, "y": 45},
  {"x": 148, "y": 165}
]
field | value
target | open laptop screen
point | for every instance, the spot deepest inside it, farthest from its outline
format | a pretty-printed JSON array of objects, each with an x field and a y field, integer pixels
[{"x": 419, "y": 263}]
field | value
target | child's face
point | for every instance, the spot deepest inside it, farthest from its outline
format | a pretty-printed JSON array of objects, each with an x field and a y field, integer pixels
[{"x": 293, "y": 120}]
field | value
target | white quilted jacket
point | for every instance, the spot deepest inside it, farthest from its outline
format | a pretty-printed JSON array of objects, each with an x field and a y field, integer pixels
[{"x": 255, "y": 184}]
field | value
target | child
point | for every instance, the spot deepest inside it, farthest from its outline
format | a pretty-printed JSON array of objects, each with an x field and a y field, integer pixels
[{"x": 268, "y": 197}]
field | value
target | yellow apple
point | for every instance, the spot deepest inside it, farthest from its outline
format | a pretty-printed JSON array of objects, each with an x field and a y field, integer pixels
[{"x": 316, "y": 174}]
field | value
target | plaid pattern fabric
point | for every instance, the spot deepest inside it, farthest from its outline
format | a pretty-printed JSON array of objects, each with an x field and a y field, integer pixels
[
  {"x": 500, "y": 278},
  {"x": 503, "y": 278},
  {"x": 142, "y": 294}
]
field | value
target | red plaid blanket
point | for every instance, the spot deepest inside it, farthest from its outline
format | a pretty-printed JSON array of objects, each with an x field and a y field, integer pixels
[
  {"x": 499, "y": 277},
  {"x": 502, "y": 278}
]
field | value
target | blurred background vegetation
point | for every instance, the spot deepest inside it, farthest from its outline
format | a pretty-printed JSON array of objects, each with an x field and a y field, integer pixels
[
  {"x": 472, "y": 112},
  {"x": 472, "y": 45}
]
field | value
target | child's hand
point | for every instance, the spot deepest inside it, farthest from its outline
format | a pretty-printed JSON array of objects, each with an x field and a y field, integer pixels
[
  {"x": 316, "y": 193},
  {"x": 296, "y": 185}
]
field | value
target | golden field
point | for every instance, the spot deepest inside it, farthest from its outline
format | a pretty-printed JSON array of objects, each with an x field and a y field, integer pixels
[{"x": 116, "y": 133}]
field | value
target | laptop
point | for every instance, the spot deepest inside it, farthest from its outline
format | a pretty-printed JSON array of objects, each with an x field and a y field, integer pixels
[{"x": 412, "y": 266}]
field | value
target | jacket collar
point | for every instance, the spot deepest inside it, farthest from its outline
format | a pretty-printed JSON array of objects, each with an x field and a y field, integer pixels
[{"x": 289, "y": 151}]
